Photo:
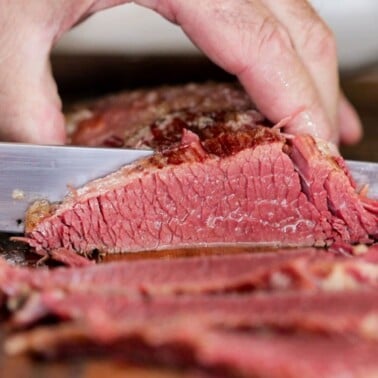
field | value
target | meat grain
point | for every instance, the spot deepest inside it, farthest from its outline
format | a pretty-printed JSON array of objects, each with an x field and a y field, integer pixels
[
  {"x": 303, "y": 305},
  {"x": 335, "y": 312},
  {"x": 224, "y": 353},
  {"x": 215, "y": 178},
  {"x": 304, "y": 269}
]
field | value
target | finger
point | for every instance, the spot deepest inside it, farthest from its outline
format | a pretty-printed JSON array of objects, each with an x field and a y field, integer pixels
[
  {"x": 29, "y": 113},
  {"x": 29, "y": 103},
  {"x": 350, "y": 124},
  {"x": 104, "y": 4},
  {"x": 246, "y": 39},
  {"x": 315, "y": 45}
]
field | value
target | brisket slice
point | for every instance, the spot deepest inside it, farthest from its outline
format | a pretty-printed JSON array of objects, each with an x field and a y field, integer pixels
[
  {"x": 203, "y": 274},
  {"x": 252, "y": 354},
  {"x": 307, "y": 269},
  {"x": 341, "y": 312},
  {"x": 238, "y": 334},
  {"x": 223, "y": 179}
]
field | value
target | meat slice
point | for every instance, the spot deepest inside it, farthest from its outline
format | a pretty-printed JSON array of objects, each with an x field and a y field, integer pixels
[
  {"x": 225, "y": 353},
  {"x": 306, "y": 269},
  {"x": 289, "y": 356},
  {"x": 340, "y": 312},
  {"x": 215, "y": 178},
  {"x": 332, "y": 191},
  {"x": 204, "y": 274},
  {"x": 103, "y": 309}
]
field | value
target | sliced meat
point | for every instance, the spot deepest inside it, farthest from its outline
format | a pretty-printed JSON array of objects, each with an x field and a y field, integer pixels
[
  {"x": 307, "y": 269},
  {"x": 332, "y": 191},
  {"x": 342, "y": 312},
  {"x": 294, "y": 355},
  {"x": 181, "y": 275},
  {"x": 253, "y": 354},
  {"x": 103, "y": 312},
  {"x": 229, "y": 180}
]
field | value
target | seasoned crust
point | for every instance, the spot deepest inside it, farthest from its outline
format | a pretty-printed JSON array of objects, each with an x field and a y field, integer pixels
[
  {"x": 37, "y": 212},
  {"x": 112, "y": 120}
]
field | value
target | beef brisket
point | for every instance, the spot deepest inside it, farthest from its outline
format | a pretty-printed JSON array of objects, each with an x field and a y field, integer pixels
[
  {"x": 301, "y": 305},
  {"x": 220, "y": 174},
  {"x": 202, "y": 274},
  {"x": 113, "y": 120},
  {"x": 340, "y": 312},
  {"x": 307, "y": 269},
  {"x": 215, "y": 178},
  {"x": 225, "y": 353}
]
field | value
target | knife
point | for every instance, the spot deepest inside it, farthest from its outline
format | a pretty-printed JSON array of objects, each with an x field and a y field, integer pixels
[{"x": 30, "y": 172}]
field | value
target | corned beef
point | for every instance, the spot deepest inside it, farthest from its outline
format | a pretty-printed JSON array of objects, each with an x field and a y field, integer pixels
[
  {"x": 220, "y": 174},
  {"x": 339, "y": 312},
  {"x": 203, "y": 274},
  {"x": 306, "y": 269},
  {"x": 225, "y": 353},
  {"x": 319, "y": 308},
  {"x": 215, "y": 178},
  {"x": 113, "y": 120}
]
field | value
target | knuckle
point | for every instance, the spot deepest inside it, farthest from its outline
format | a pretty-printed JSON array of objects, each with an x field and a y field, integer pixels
[
  {"x": 271, "y": 34},
  {"x": 266, "y": 38},
  {"x": 319, "y": 41},
  {"x": 164, "y": 7}
]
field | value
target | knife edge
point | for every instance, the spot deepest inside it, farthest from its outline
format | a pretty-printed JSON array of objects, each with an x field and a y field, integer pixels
[{"x": 31, "y": 172}]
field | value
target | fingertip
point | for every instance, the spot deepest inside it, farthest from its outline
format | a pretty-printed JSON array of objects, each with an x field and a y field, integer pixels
[
  {"x": 351, "y": 131},
  {"x": 312, "y": 121}
]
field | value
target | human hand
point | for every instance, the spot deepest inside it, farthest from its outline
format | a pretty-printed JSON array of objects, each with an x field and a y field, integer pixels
[{"x": 281, "y": 51}]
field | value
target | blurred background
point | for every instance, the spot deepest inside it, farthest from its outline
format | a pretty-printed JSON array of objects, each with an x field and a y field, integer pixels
[
  {"x": 133, "y": 30},
  {"x": 129, "y": 46}
]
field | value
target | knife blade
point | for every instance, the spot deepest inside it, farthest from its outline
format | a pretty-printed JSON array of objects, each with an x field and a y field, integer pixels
[
  {"x": 365, "y": 173},
  {"x": 30, "y": 172}
]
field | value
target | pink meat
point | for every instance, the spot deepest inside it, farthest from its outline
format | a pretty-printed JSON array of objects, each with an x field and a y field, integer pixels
[
  {"x": 229, "y": 180},
  {"x": 114, "y": 120},
  {"x": 289, "y": 355},
  {"x": 252, "y": 354},
  {"x": 340, "y": 312},
  {"x": 332, "y": 191},
  {"x": 305, "y": 269},
  {"x": 181, "y": 275}
]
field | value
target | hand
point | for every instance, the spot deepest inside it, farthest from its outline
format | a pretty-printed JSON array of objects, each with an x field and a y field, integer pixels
[{"x": 281, "y": 51}]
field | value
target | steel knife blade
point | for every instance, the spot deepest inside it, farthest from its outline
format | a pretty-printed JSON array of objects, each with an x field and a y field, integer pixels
[
  {"x": 365, "y": 173},
  {"x": 30, "y": 172}
]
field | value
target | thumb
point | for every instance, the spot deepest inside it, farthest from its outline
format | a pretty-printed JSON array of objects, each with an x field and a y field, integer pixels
[
  {"x": 349, "y": 122},
  {"x": 30, "y": 108}
]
